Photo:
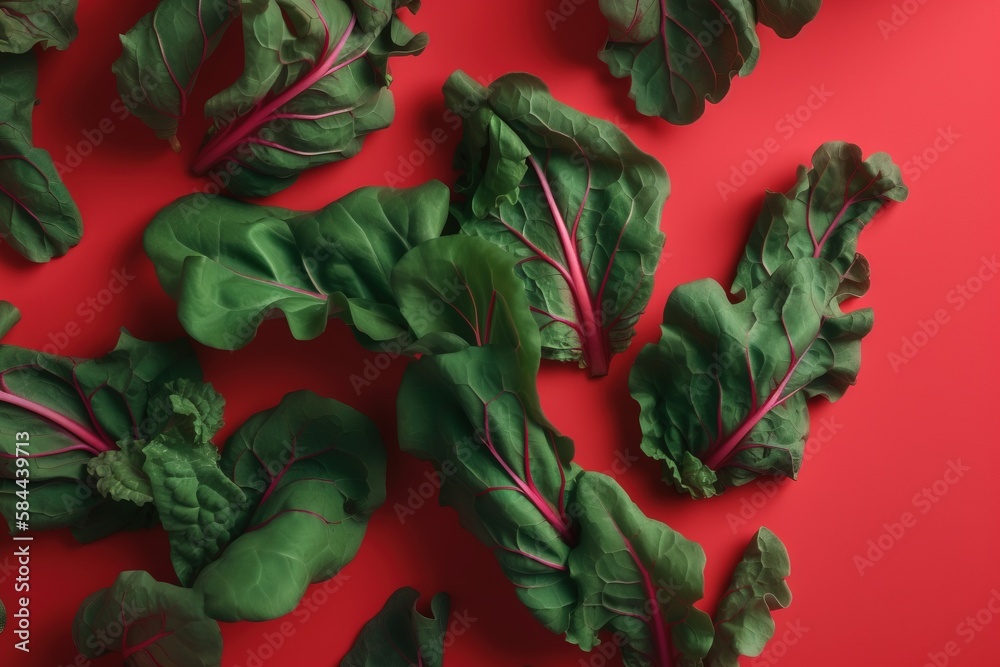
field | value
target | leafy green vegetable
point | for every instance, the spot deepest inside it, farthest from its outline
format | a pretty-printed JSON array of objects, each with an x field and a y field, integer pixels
[
  {"x": 162, "y": 55},
  {"x": 313, "y": 470},
  {"x": 743, "y": 623},
  {"x": 400, "y": 636},
  {"x": 9, "y": 316},
  {"x": 573, "y": 199},
  {"x": 86, "y": 418},
  {"x": 150, "y": 623},
  {"x": 724, "y": 394},
  {"x": 678, "y": 53},
  {"x": 37, "y": 215},
  {"x": 231, "y": 264},
  {"x": 24, "y": 23}
]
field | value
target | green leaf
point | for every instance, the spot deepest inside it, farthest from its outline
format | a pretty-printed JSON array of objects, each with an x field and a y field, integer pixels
[
  {"x": 313, "y": 471},
  {"x": 38, "y": 217},
  {"x": 787, "y": 17},
  {"x": 679, "y": 53},
  {"x": 24, "y": 23},
  {"x": 315, "y": 82},
  {"x": 822, "y": 216},
  {"x": 9, "y": 316},
  {"x": 150, "y": 623},
  {"x": 637, "y": 578},
  {"x": 506, "y": 472},
  {"x": 723, "y": 394},
  {"x": 231, "y": 264},
  {"x": 77, "y": 413},
  {"x": 400, "y": 636},
  {"x": 162, "y": 55},
  {"x": 573, "y": 199},
  {"x": 743, "y": 623}
]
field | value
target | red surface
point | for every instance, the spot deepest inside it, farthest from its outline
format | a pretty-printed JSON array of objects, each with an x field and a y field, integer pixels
[{"x": 892, "y": 436}]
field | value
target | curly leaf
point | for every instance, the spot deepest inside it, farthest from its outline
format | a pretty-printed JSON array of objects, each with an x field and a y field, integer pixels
[
  {"x": 313, "y": 471},
  {"x": 822, "y": 216},
  {"x": 637, "y": 578},
  {"x": 743, "y": 623},
  {"x": 674, "y": 68},
  {"x": 508, "y": 475},
  {"x": 787, "y": 17},
  {"x": 119, "y": 476},
  {"x": 400, "y": 636},
  {"x": 573, "y": 199},
  {"x": 723, "y": 394},
  {"x": 231, "y": 264},
  {"x": 38, "y": 217},
  {"x": 162, "y": 55},
  {"x": 150, "y": 623},
  {"x": 24, "y": 23},
  {"x": 315, "y": 82}
]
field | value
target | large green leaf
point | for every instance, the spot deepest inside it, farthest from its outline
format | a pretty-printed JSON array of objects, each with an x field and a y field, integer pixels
[
  {"x": 231, "y": 264},
  {"x": 678, "y": 53},
  {"x": 573, "y": 199},
  {"x": 38, "y": 217},
  {"x": 313, "y": 471},
  {"x": 151, "y": 623},
  {"x": 637, "y": 578},
  {"x": 315, "y": 82},
  {"x": 24, "y": 23},
  {"x": 822, "y": 215},
  {"x": 162, "y": 55},
  {"x": 400, "y": 636},
  {"x": 506, "y": 472},
  {"x": 743, "y": 623},
  {"x": 723, "y": 394}
]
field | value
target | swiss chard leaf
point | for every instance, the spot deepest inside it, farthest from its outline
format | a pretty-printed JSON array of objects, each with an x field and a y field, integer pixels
[
  {"x": 313, "y": 471},
  {"x": 743, "y": 623},
  {"x": 679, "y": 53},
  {"x": 822, "y": 216},
  {"x": 162, "y": 55},
  {"x": 787, "y": 17},
  {"x": 24, "y": 23},
  {"x": 723, "y": 394},
  {"x": 150, "y": 623},
  {"x": 400, "y": 636},
  {"x": 507, "y": 473},
  {"x": 78, "y": 412},
  {"x": 38, "y": 217},
  {"x": 231, "y": 264},
  {"x": 315, "y": 82},
  {"x": 573, "y": 199}
]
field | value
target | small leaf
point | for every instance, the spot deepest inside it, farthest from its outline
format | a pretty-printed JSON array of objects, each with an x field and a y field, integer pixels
[
  {"x": 787, "y": 17},
  {"x": 9, "y": 316},
  {"x": 743, "y": 623},
  {"x": 400, "y": 636}
]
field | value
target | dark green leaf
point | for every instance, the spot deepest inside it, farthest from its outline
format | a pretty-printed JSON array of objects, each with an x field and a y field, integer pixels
[
  {"x": 723, "y": 394},
  {"x": 506, "y": 472},
  {"x": 313, "y": 471},
  {"x": 315, "y": 82},
  {"x": 38, "y": 217},
  {"x": 24, "y": 23},
  {"x": 573, "y": 199},
  {"x": 231, "y": 264},
  {"x": 822, "y": 216},
  {"x": 151, "y": 623},
  {"x": 637, "y": 578},
  {"x": 787, "y": 17},
  {"x": 162, "y": 55},
  {"x": 743, "y": 623},
  {"x": 9, "y": 316},
  {"x": 400, "y": 636}
]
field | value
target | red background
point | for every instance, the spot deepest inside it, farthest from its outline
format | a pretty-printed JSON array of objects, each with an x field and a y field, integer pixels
[{"x": 895, "y": 433}]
